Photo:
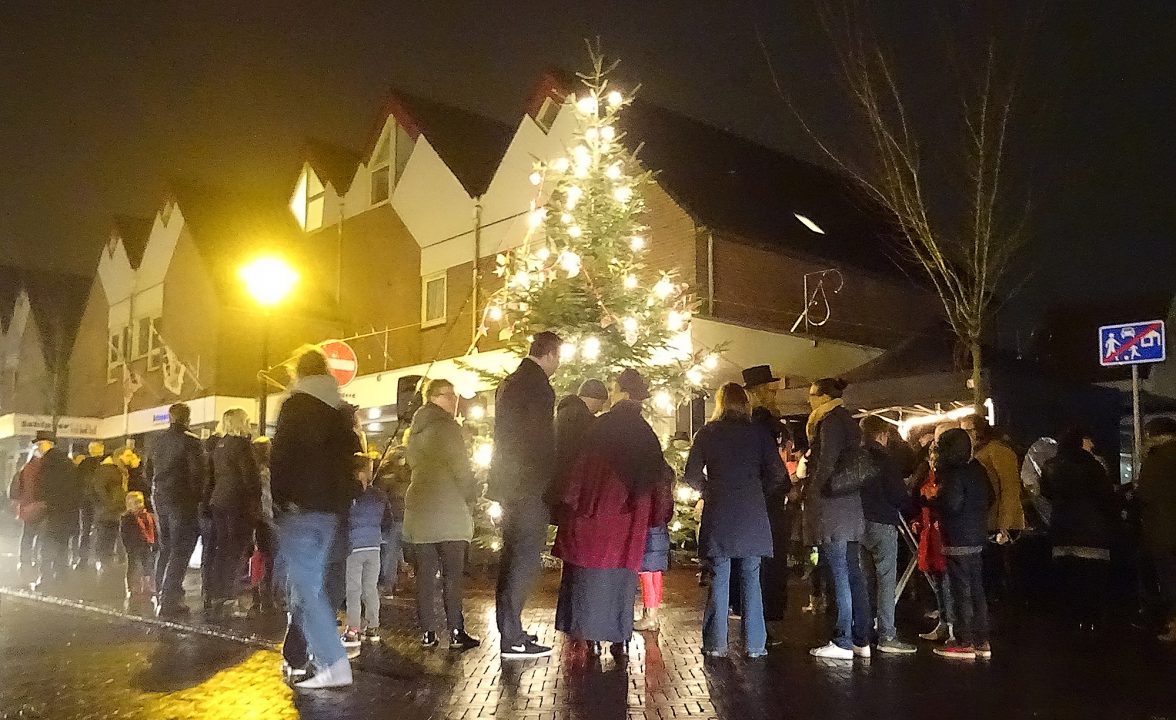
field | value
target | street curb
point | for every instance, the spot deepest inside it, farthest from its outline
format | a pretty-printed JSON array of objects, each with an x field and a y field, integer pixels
[{"x": 252, "y": 640}]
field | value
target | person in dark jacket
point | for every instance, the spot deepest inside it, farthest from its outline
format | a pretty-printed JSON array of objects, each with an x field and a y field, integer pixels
[
  {"x": 1082, "y": 519},
  {"x": 574, "y": 416},
  {"x": 60, "y": 488},
  {"x": 393, "y": 477},
  {"x": 1157, "y": 500},
  {"x": 95, "y": 452},
  {"x": 365, "y": 523},
  {"x": 839, "y": 521},
  {"x": 885, "y": 502},
  {"x": 232, "y": 495},
  {"x": 618, "y": 488},
  {"x": 762, "y": 388},
  {"x": 963, "y": 496},
  {"x": 521, "y": 472},
  {"x": 108, "y": 500},
  {"x": 438, "y": 512},
  {"x": 313, "y": 486},
  {"x": 178, "y": 464},
  {"x": 138, "y": 532},
  {"x": 736, "y": 466}
]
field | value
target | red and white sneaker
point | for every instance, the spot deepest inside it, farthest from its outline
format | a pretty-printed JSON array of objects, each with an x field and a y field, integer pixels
[{"x": 956, "y": 651}]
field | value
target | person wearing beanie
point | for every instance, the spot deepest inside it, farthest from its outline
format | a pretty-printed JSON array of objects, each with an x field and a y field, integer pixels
[{"x": 574, "y": 416}]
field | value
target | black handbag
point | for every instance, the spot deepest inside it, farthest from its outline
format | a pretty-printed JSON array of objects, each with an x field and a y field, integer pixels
[{"x": 855, "y": 467}]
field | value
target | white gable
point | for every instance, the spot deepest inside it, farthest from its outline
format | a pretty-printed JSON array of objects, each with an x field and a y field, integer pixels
[{"x": 435, "y": 208}]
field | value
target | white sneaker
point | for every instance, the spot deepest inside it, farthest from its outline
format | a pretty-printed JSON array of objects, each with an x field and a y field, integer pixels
[
  {"x": 335, "y": 675},
  {"x": 861, "y": 651},
  {"x": 832, "y": 652}
]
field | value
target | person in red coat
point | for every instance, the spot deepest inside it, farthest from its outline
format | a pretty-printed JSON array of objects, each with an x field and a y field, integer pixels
[{"x": 618, "y": 488}]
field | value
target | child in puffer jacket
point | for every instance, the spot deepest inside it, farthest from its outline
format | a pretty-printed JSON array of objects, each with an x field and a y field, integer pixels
[{"x": 370, "y": 516}]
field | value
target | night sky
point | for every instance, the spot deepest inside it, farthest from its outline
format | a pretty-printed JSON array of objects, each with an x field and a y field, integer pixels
[{"x": 98, "y": 107}]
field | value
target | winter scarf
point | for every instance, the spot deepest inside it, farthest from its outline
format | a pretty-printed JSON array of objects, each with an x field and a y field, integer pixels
[
  {"x": 818, "y": 415},
  {"x": 322, "y": 387}
]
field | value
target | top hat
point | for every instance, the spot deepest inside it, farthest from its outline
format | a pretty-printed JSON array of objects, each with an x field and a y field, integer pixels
[
  {"x": 758, "y": 375},
  {"x": 45, "y": 435},
  {"x": 630, "y": 381}
]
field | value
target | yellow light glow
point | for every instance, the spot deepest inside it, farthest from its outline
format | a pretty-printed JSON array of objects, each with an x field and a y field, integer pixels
[
  {"x": 630, "y": 325},
  {"x": 587, "y": 104},
  {"x": 664, "y": 288},
  {"x": 630, "y": 282},
  {"x": 477, "y": 412},
  {"x": 483, "y": 453},
  {"x": 637, "y": 243},
  {"x": 711, "y": 361},
  {"x": 560, "y": 164},
  {"x": 567, "y": 352},
  {"x": 536, "y": 177},
  {"x": 494, "y": 511},
  {"x": 575, "y": 231},
  {"x": 613, "y": 172},
  {"x": 269, "y": 280},
  {"x": 683, "y": 493},
  {"x": 694, "y": 376},
  {"x": 608, "y": 132},
  {"x": 623, "y": 193},
  {"x": 664, "y": 401},
  {"x": 615, "y": 98},
  {"x": 591, "y": 349},
  {"x": 495, "y": 313}
]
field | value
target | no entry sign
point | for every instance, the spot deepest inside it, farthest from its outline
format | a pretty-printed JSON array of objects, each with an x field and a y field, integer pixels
[{"x": 341, "y": 361}]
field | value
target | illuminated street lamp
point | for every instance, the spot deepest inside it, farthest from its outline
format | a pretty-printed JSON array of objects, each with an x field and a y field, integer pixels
[{"x": 269, "y": 280}]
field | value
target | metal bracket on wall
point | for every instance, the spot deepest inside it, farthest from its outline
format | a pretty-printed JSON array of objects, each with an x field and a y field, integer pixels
[{"x": 818, "y": 297}]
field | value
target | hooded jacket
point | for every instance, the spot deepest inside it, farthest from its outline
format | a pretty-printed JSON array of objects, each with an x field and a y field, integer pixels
[
  {"x": 965, "y": 496},
  {"x": 234, "y": 481},
  {"x": 108, "y": 490},
  {"x": 312, "y": 451},
  {"x": 573, "y": 422},
  {"x": 1082, "y": 498},
  {"x": 437, "y": 504}
]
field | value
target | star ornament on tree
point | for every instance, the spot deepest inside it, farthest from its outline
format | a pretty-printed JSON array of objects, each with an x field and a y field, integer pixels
[{"x": 582, "y": 270}]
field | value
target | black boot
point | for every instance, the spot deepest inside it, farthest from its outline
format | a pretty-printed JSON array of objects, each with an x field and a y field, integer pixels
[
  {"x": 461, "y": 640},
  {"x": 429, "y": 640}
]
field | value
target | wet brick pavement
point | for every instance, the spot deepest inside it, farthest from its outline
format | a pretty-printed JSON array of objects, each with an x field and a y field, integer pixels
[{"x": 67, "y": 663}]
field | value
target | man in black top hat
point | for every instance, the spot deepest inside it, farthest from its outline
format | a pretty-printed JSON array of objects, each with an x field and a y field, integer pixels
[
  {"x": 61, "y": 491},
  {"x": 762, "y": 387}
]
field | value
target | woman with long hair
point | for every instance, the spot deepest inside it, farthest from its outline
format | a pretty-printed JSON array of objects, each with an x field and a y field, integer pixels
[
  {"x": 840, "y": 522},
  {"x": 736, "y": 465},
  {"x": 618, "y": 488},
  {"x": 233, "y": 498}
]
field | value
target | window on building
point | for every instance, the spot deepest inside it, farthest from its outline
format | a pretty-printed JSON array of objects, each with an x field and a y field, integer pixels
[
  {"x": 116, "y": 353},
  {"x": 403, "y": 150},
  {"x": 381, "y": 170},
  {"x": 309, "y": 201},
  {"x": 547, "y": 114},
  {"x": 433, "y": 301},
  {"x": 147, "y": 341}
]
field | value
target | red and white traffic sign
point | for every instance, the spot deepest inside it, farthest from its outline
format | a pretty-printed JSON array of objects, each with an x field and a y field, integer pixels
[{"x": 341, "y": 361}]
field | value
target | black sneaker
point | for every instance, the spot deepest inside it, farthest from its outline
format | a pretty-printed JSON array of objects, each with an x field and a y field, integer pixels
[
  {"x": 429, "y": 640},
  {"x": 526, "y": 649},
  {"x": 174, "y": 610},
  {"x": 461, "y": 640}
]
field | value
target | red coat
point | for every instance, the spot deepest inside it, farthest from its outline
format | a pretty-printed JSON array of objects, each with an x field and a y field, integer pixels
[{"x": 602, "y": 521}]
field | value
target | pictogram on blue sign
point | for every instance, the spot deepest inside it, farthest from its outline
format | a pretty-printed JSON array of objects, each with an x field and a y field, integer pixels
[{"x": 1132, "y": 343}]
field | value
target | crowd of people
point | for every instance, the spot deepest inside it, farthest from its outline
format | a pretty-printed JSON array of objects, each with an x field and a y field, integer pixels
[{"x": 304, "y": 522}]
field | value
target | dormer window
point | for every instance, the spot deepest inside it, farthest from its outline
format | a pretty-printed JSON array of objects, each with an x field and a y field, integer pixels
[
  {"x": 310, "y": 198},
  {"x": 388, "y": 161},
  {"x": 547, "y": 114}
]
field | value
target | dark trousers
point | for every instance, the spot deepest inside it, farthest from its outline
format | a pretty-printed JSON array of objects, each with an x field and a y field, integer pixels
[
  {"x": 524, "y": 535},
  {"x": 448, "y": 558},
  {"x": 232, "y": 535},
  {"x": 1084, "y": 584},
  {"x": 1165, "y": 564},
  {"x": 966, "y": 575},
  {"x": 54, "y": 538},
  {"x": 207, "y": 531},
  {"x": 140, "y": 571},
  {"x": 85, "y": 529},
  {"x": 178, "y": 530},
  {"x": 30, "y": 545},
  {"x": 265, "y": 536},
  {"x": 335, "y": 580},
  {"x": 105, "y": 541}
]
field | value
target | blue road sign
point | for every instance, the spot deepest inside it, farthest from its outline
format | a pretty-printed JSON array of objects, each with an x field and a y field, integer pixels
[{"x": 1132, "y": 343}]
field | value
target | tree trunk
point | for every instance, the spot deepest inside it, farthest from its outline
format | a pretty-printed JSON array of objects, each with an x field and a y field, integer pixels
[{"x": 979, "y": 392}]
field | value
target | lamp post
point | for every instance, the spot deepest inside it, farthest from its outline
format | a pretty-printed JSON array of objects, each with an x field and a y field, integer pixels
[{"x": 269, "y": 280}]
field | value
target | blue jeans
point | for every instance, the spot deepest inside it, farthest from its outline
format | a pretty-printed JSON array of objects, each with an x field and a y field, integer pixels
[
  {"x": 714, "y": 623},
  {"x": 880, "y": 556},
  {"x": 304, "y": 541},
  {"x": 390, "y": 554},
  {"x": 853, "y": 601}
]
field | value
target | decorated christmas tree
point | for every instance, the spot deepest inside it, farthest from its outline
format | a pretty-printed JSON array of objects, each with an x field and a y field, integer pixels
[{"x": 581, "y": 272}]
